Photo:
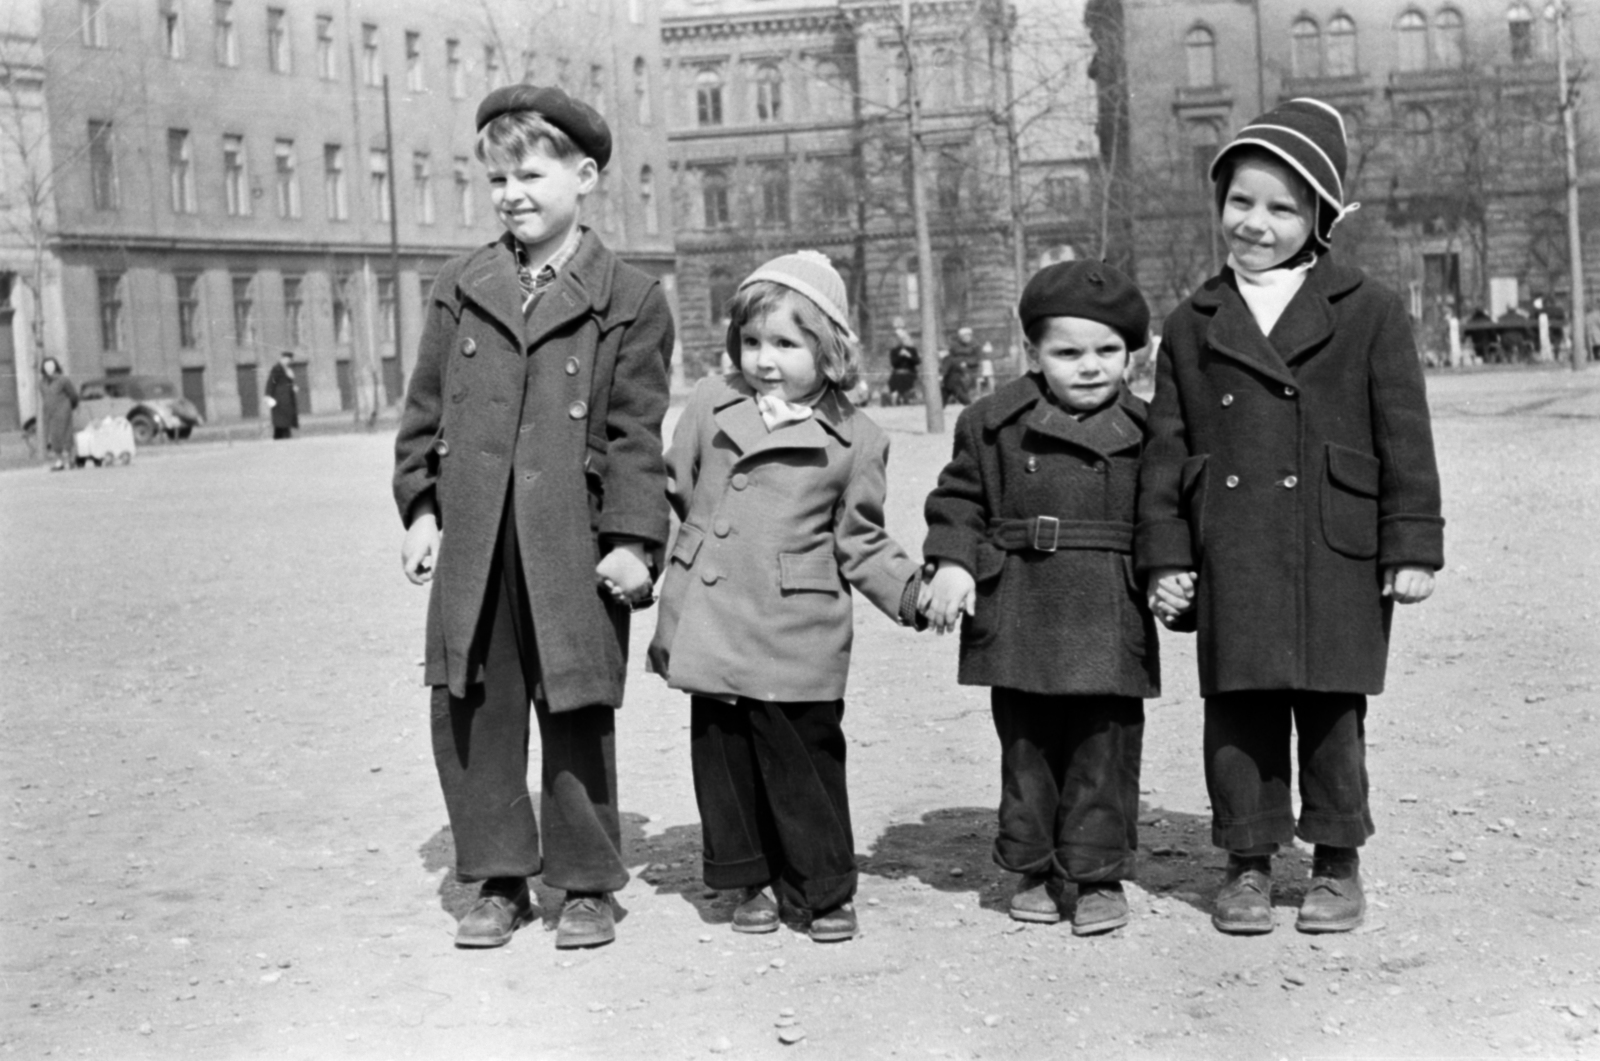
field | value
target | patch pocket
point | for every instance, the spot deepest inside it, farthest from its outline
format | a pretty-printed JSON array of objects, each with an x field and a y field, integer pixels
[
  {"x": 817, "y": 572},
  {"x": 687, "y": 544},
  {"x": 1350, "y": 502}
]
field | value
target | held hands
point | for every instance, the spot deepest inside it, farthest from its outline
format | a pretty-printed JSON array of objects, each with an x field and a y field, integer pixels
[
  {"x": 1407, "y": 585},
  {"x": 421, "y": 548},
  {"x": 625, "y": 574},
  {"x": 947, "y": 595},
  {"x": 1171, "y": 593}
]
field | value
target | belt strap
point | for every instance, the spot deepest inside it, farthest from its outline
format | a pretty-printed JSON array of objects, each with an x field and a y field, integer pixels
[{"x": 1046, "y": 534}]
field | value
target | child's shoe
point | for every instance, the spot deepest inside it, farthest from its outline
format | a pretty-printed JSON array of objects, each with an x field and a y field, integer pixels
[
  {"x": 1334, "y": 902},
  {"x": 587, "y": 920},
  {"x": 1100, "y": 908},
  {"x": 503, "y": 906},
  {"x": 756, "y": 912},
  {"x": 833, "y": 926},
  {"x": 1244, "y": 905},
  {"x": 1035, "y": 900}
]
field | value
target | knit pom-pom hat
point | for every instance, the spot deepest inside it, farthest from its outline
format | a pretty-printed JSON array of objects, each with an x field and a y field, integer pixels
[
  {"x": 812, "y": 275},
  {"x": 1308, "y": 135}
]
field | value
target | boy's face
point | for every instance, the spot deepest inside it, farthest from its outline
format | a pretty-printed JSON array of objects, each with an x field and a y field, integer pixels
[
  {"x": 1082, "y": 362},
  {"x": 775, "y": 356},
  {"x": 537, "y": 197},
  {"x": 1267, "y": 214}
]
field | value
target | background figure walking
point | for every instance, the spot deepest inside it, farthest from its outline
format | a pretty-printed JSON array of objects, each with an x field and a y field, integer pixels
[
  {"x": 281, "y": 397},
  {"x": 58, "y": 397}
]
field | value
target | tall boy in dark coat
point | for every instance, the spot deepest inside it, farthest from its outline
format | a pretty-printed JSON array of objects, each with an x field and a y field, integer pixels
[
  {"x": 528, "y": 471},
  {"x": 1031, "y": 529}
]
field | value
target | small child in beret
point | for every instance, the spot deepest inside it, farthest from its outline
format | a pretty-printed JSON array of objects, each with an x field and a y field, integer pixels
[
  {"x": 532, "y": 431},
  {"x": 1030, "y": 533}
]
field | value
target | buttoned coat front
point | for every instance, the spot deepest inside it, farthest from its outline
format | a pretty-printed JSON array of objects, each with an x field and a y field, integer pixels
[
  {"x": 777, "y": 528},
  {"x": 561, "y": 413},
  {"x": 1072, "y": 621},
  {"x": 1289, "y": 471}
]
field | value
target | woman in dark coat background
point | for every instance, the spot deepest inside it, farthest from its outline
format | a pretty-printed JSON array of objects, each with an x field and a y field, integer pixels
[
  {"x": 281, "y": 397},
  {"x": 58, "y": 397}
]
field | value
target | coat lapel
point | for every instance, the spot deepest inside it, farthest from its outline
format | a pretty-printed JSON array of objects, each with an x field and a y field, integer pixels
[
  {"x": 1235, "y": 334},
  {"x": 738, "y": 418},
  {"x": 490, "y": 281},
  {"x": 582, "y": 287},
  {"x": 1307, "y": 322},
  {"x": 1108, "y": 431}
]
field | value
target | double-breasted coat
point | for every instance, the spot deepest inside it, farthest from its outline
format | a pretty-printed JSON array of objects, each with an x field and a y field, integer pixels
[
  {"x": 1289, "y": 470},
  {"x": 778, "y": 527},
  {"x": 285, "y": 402},
  {"x": 1058, "y": 609},
  {"x": 59, "y": 398},
  {"x": 559, "y": 412}
]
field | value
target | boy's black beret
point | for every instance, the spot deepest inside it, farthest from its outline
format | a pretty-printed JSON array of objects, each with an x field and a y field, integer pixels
[
  {"x": 574, "y": 117},
  {"x": 1091, "y": 290}
]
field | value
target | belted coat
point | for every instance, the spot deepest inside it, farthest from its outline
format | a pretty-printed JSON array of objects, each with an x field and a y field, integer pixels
[
  {"x": 1289, "y": 470},
  {"x": 778, "y": 527},
  {"x": 559, "y": 412},
  {"x": 1058, "y": 608}
]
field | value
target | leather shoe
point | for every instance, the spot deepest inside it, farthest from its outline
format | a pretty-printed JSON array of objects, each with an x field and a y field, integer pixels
[
  {"x": 503, "y": 906},
  {"x": 832, "y": 926},
  {"x": 1035, "y": 900},
  {"x": 587, "y": 920},
  {"x": 1244, "y": 904},
  {"x": 1100, "y": 908},
  {"x": 756, "y": 912},
  {"x": 1332, "y": 904}
]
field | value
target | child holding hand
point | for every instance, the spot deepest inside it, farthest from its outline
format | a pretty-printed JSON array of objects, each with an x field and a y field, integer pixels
[
  {"x": 779, "y": 482},
  {"x": 1031, "y": 530},
  {"x": 1289, "y": 500}
]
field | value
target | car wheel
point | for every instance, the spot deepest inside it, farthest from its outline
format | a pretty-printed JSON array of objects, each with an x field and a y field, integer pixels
[
  {"x": 125, "y": 457},
  {"x": 144, "y": 428}
]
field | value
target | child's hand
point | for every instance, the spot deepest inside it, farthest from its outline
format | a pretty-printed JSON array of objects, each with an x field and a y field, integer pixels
[
  {"x": 951, "y": 592},
  {"x": 420, "y": 550},
  {"x": 1171, "y": 593},
  {"x": 1407, "y": 585},
  {"x": 626, "y": 575}
]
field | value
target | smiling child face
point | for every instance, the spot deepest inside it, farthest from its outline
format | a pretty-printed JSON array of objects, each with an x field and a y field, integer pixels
[
  {"x": 776, "y": 357},
  {"x": 537, "y": 196},
  {"x": 1267, "y": 214}
]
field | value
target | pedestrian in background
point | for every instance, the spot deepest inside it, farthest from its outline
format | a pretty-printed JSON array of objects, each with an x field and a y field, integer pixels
[
  {"x": 1289, "y": 499},
  {"x": 281, "y": 397},
  {"x": 57, "y": 398},
  {"x": 779, "y": 482},
  {"x": 1031, "y": 529},
  {"x": 904, "y": 362}
]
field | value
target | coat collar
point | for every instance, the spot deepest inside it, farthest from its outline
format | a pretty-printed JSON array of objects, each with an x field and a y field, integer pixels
[
  {"x": 734, "y": 409},
  {"x": 1107, "y": 431},
  {"x": 581, "y": 288},
  {"x": 1305, "y": 326}
]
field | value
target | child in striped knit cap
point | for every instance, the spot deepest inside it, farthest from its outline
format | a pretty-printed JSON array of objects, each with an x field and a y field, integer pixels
[{"x": 1288, "y": 500}]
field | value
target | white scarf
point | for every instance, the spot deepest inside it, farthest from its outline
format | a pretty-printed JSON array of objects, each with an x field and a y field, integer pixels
[
  {"x": 776, "y": 411},
  {"x": 1268, "y": 292}
]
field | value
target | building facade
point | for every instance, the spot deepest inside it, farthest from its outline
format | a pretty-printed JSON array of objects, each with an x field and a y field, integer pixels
[{"x": 226, "y": 177}]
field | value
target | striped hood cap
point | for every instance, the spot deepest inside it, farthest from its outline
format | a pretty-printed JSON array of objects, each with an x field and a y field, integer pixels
[{"x": 1308, "y": 135}]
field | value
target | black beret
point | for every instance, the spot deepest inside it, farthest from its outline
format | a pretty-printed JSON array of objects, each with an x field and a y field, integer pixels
[
  {"x": 1091, "y": 290},
  {"x": 574, "y": 117}
]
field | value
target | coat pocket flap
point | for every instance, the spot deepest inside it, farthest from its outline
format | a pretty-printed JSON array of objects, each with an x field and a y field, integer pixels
[
  {"x": 813, "y": 571},
  {"x": 990, "y": 561},
  {"x": 1190, "y": 471},
  {"x": 1353, "y": 470},
  {"x": 687, "y": 544}
]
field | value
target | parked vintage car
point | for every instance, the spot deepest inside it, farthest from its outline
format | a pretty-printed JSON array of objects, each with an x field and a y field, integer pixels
[{"x": 151, "y": 404}]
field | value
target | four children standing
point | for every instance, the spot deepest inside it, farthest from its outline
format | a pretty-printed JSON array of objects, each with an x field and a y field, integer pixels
[{"x": 532, "y": 430}]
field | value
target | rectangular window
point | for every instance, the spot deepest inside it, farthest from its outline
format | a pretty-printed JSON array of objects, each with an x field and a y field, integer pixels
[
  {"x": 378, "y": 170},
  {"x": 278, "y": 60},
  {"x": 413, "y": 61},
  {"x": 346, "y": 380},
  {"x": 188, "y": 310},
  {"x": 333, "y": 184},
  {"x": 180, "y": 171},
  {"x": 422, "y": 183},
  {"x": 109, "y": 287},
  {"x": 597, "y": 87},
  {"x": 835, "y": 191},
  {"x": 235, "y": 177},
  {"x": 775, "y": 193},
  {"x": 458, "y": 73},
  {"x": 193, "y": 383},
  {"x": 244, "y": 312},
  {"x": 341, "y": 309},
  {"x": 463, "y": 174},
  {"x": 249, "y": 384},
  {"x": 102, "y": 166},
  {"x": 371, "y": 66},
  {"x": 286, "y": 179},
  {"x": 491, "y": 67},
  {"x": 227, "y": 37},
  {"x": 386, "y": 301},
  {"x": 293, "y": 311},
  {"x": 92, "y": 29},
  {"x": 327, "y": 58},
  {"x": 171, "y": 29}
]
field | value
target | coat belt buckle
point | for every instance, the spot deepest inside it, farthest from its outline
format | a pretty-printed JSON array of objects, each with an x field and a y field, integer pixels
[{"x": 1039, "y": 524}]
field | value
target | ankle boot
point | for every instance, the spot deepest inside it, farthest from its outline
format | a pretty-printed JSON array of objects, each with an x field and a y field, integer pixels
[
  {"x": 1244, "y": 904},
  {"x": 1334, "y": 901}
]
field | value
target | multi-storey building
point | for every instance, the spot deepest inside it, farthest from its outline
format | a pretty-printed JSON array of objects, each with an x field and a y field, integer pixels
[
  {"x": 788, "y": 128},
  {"x": 226, "y": 175},
  {"x": 1456, "y": 140}
]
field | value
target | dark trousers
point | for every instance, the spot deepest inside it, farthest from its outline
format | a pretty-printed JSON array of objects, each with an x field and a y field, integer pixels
[
  {"x": 770, "y": 783},
  {"x": 1069, "y": 784},
  {"x": 480, "y": 745},
  {"x": 282, "y": 432},
  {"x": 1247, "y": 739}
]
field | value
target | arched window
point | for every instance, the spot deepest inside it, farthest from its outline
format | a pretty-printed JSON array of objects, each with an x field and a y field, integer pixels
[
  {"x": 769, "y": 93},
  {"x": 1340, "y": 55},
  {"x": 1449, "y": 38},
  {"x": 647, "y": 200},
  {"x": 641, "y": 90},
  {"x": 720, "y": 289},
  {"x": 1200, "y": 51},
  {"x": 1412, "y": 29},
  {"x": 714, "y": 197},
  {"x": 1519, "y": 21},
  {"x": 708, "y": 97},
  {"x": 1305, "y": 54},
  {"x": 1417, "y": 124},
  {"x": 829, "y": 93}
]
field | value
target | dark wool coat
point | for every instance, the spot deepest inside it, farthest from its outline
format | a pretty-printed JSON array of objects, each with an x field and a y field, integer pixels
[
  {"x": 1289, "y": 472},
  {"x": 1072, "y": 621},
  {"x": 280, "y": 388},
  {"x": 582, "y": 463},
  {"x": 59, "y": 398}
]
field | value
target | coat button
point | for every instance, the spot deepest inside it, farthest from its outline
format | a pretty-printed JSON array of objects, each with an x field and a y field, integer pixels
[
  {"x": 1227, "y": 400},
  {"x": 1032, "y": 463},
  {"x": 739, "y": 481},
  {"x": 1291, "y": 482},
  {"x": 441, "y": 447},
  {"x": 721, "y": 528},
  {"x": 709, "y": 576},
  {"x": 469, "y": 347},
  {"x": 1100, "y": 467},
  {"x": 578, "y": 410},
  {"x": 571, "y": 366},
  {"x": 1288, "y": 392},
  {"x": 1232, "y": 481}
]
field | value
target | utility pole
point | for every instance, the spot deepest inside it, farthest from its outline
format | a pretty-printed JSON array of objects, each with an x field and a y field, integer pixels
[
  {"x": 394, "y": 232},
  {"x": 1004, "y": 17},
  {"x": 1575, "y": 321},
  {"x": 929, "y": 369}
]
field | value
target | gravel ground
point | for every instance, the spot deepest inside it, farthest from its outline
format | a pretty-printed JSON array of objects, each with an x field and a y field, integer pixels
[{"x": 224, "y": 837}]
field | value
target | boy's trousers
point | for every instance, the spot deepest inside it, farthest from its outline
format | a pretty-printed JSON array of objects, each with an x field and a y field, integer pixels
[
  {"x": 1247, "y": 739},
  {"x": 769, "y": 779},
  {"x": 480, "y": 745},
  {"x": 1069, "y": 784}
]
